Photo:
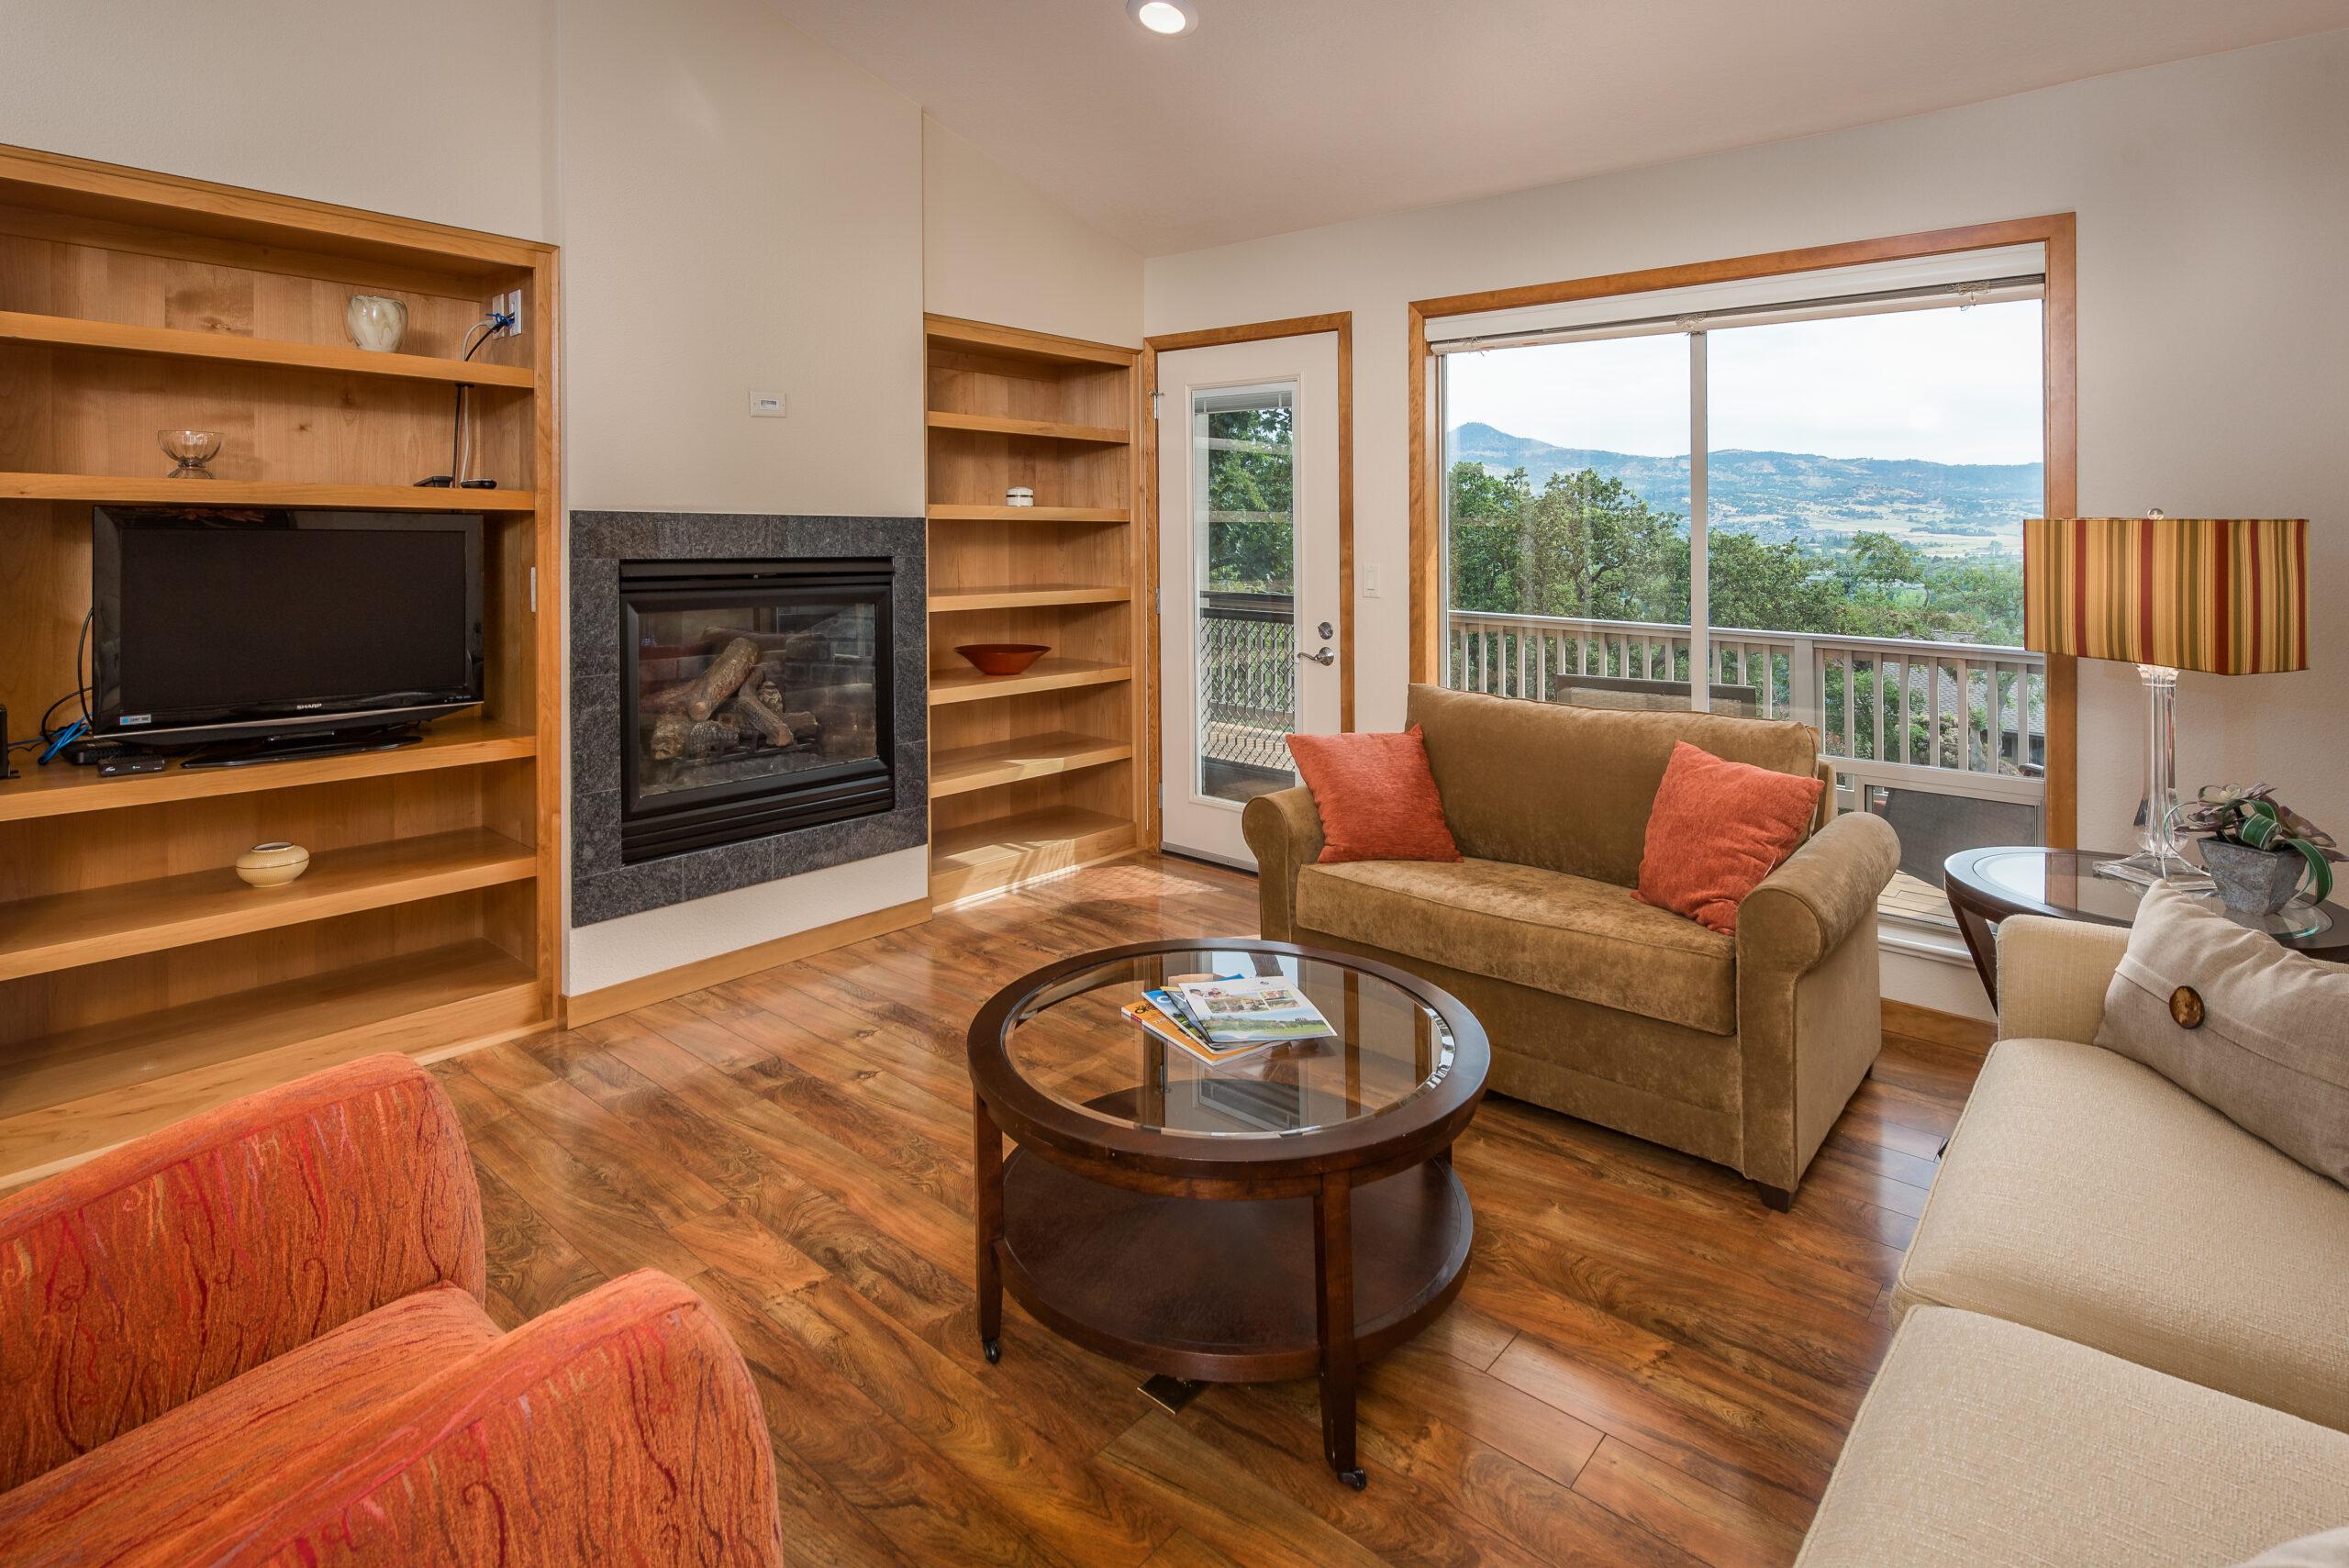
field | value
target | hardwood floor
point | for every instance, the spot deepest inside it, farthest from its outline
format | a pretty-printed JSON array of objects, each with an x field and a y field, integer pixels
[{"x": 1645, "y": 1366}]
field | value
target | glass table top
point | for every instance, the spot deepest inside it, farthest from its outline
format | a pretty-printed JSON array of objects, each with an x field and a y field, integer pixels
[
  {"x": 1072, "y": 1043},
  {"x": 2065, "y": 880}
]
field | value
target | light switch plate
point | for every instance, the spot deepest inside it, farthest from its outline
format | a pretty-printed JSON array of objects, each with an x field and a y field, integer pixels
[{"x": 770, "y": 405}]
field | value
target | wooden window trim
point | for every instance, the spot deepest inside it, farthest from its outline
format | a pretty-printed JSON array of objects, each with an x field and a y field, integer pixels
[{"x": 2057, "y": 232}]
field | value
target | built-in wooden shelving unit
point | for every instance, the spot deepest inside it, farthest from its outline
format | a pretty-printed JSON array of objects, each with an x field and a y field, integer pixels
[
  {"x": 140, "y": 979},
  {"x": 179, "y": 342},
  {"x": 1033, "y": 773},
  {"x": 147, "y": 490}
]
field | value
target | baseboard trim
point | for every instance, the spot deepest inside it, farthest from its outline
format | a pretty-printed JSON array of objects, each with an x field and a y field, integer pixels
[
  {"x": 1932, "y": 1025},
  {"x": 589, "y": 1007}
]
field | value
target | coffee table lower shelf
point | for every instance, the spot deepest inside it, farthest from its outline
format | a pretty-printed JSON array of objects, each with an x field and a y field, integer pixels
[{"x": 1224, "y": 1290}]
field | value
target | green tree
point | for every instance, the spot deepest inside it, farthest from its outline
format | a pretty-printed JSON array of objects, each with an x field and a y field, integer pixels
[{"x": 1252, "y": 479}]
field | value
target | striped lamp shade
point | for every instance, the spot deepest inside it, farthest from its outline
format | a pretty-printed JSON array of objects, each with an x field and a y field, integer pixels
[{"x": 2225, "y": 594}]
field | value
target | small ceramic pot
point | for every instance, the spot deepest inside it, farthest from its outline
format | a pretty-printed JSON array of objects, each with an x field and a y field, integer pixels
[
  {"x": 1020, "y": 495},
  {"x": 375, "y": 323},
  {"x": 273, "y": 864},
  {"x": 2252, "y": 882}
]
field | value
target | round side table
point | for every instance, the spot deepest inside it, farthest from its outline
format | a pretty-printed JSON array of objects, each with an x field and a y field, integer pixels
[{"x": 1986, "y": 885}]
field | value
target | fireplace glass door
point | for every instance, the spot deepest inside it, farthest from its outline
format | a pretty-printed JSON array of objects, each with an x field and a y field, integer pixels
[{"x": 756, "y": 698}]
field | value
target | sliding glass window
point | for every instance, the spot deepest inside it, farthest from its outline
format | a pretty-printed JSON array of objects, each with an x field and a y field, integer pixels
[{"x": 1857, "y": 464}]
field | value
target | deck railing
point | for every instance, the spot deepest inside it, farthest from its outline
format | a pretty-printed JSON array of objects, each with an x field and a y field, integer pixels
[
  {"x": 1247, "y": 651},
  {"x": 1954, "y": 716}
]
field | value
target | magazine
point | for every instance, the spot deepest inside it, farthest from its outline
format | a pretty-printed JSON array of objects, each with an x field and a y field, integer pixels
[
  {"x": 1253, "y": 1010},
  {"x": 1177, "y": 1031}
]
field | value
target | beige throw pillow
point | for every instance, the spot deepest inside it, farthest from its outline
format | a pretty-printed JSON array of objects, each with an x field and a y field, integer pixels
[
  {"x": 2330, "y": 1549},
  {"x": 2255, "y": 1031}
]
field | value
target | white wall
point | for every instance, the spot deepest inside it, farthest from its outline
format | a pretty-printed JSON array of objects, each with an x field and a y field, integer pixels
[
  {"x": 2213, "y": 203},
  {"x": 997, "y": 249},
  {"x": 739, "y": 208},
  {"x": 436, "y": 109}
]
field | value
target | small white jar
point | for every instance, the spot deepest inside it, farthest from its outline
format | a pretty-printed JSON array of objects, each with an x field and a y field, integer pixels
[{"x": 1020, "y": 495}]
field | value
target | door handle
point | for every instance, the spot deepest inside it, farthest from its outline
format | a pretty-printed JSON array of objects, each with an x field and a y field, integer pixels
[{"x": 1322, "y": 657}]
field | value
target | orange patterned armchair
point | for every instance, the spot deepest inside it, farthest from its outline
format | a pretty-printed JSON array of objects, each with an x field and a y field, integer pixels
[{"x": 257, "y": 1337}]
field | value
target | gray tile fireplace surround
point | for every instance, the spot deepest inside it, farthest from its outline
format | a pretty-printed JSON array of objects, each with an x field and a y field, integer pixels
[{"x": 601, "y": 888}]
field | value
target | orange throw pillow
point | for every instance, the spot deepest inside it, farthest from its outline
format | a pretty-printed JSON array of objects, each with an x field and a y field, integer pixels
[
  {"x": 1377, "y": 796},
  {"x": 1717, "y": 829}
]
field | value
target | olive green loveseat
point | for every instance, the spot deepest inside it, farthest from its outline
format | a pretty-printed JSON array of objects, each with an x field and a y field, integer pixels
[{"x": 1741, "y": 1050}]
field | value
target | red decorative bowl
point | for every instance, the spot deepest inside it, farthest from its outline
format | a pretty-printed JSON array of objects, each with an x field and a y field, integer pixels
[{"x": 1003, "y": 657}]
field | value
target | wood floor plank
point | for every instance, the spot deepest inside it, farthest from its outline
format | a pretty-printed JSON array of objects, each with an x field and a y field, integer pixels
[
  {"x": 1645, "y": 1366},
  {"x": 1711, "y": 1526}
]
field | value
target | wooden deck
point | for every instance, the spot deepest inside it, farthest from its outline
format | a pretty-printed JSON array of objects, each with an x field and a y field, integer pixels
[
  {"x": 1913, "y": 898},
  {"x": 1645, "y": 1366}
]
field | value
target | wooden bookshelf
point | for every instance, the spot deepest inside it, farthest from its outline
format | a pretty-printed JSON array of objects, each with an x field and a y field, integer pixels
[
  {"x": 1036, "y": 430},
  {"x": 174, "y": 342},
  {"x": 953, "y": 512},
  {"x": 967, "y": 768},
  {"x": 61, "y": 791},
  {"x": 1006, "y": 596},
  {"x": 140, "y": 980},
  {"x": 148, "y": 491},
  {"x": 1036, "y": 773},
  {"x": 991, "y": 854}
]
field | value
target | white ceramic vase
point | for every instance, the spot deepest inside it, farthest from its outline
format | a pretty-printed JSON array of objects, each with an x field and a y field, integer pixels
[{"x": 375, "y": 323}]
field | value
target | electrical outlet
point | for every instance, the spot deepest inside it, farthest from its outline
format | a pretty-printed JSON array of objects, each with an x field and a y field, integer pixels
[
  {"x": 770, "y": 405},
  {"x": 507, "y": 304}
]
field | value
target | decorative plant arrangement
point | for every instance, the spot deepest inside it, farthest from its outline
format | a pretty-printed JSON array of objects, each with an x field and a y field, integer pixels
[{"x": 2259, "y": 851}]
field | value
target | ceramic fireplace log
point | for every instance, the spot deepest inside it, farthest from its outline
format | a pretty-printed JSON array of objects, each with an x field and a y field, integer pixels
[
  {"x": 668, "y": 699},
  {"x": 726, "y": 673},
  {"x": 675, "y": 736},
  {"x": 751, "y": 701}
]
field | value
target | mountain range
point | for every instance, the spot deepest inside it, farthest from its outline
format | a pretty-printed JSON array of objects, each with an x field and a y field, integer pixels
[{"x": 1944, "y": 509}]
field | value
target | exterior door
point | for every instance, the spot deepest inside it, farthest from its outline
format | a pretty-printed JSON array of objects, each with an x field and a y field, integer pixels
[{"x": 1248, "y": 577}]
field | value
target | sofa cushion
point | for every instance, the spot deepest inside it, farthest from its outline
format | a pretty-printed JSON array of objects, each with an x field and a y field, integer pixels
[
  {"x": 2089, "y": 1196},
  {"x": 1984, "y": 1442},
  {"x": 1566, "y": 935},
  {"x": 170, "y": 1473},
  {"x": 1568, "y": 789}
]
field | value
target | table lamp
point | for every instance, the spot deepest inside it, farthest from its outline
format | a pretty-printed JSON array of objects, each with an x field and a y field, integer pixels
[{"x": 2227, "y": 596}]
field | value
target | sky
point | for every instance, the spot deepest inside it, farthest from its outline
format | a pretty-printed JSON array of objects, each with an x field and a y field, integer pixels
[{"x": 1959, "y": 387}]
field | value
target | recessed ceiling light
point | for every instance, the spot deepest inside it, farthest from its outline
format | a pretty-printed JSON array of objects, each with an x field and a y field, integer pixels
[{"x": 1168, "y": 18}]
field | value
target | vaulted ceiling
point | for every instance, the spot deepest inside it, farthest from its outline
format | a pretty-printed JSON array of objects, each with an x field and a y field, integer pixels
[{"x": 1276, "y": 115}]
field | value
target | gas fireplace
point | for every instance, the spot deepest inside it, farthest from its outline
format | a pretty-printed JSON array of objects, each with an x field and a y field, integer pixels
[{"x": 756, "y": 698}]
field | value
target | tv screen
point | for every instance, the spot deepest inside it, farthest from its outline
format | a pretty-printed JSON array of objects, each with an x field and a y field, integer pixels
[{"x": 277, "y": 621}]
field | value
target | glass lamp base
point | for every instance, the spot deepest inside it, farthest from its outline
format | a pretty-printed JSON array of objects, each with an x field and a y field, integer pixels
[{"x": 2145, "y": 868}]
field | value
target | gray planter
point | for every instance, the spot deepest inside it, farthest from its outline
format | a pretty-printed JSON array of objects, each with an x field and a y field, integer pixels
[{"x": 2252, "y": 882}]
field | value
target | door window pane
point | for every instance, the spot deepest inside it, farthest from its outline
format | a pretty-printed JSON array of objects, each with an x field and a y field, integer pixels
[
  {"x": 1566, "y": 509},
  {"x": 1243, "y": 456}
]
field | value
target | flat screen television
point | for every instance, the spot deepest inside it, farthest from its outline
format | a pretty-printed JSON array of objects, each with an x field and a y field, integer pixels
[{"x": 224, "y": 624}]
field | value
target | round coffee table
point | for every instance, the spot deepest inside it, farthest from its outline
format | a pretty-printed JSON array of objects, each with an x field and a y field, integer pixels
[
  {"x": 1986, "y": 885},
  {"x": 1291, "y": 1212}
]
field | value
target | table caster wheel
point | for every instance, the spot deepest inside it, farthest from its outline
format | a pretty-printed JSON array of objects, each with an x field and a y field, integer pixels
[
  {"x": 993, "y": 1349},
  {"x": 1357, "y": 1479}
]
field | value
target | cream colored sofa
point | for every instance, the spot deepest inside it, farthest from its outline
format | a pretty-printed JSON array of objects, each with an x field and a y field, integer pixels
[{"x": 2123, "y": 1326}]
